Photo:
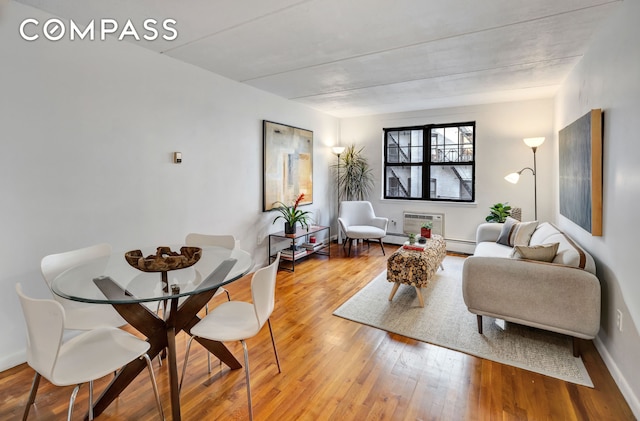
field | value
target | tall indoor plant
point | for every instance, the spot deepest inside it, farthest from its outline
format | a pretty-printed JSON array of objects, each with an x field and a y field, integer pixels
[
  {"x": 354, "y": 175},
  {"x": 292, "y": 215}
]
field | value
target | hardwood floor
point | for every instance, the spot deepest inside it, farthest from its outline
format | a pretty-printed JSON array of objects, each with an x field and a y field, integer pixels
[{"x": 334, "y": 369}]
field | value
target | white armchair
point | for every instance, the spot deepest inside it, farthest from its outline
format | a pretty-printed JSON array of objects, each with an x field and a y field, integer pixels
[{"x": 359, "y": 222}]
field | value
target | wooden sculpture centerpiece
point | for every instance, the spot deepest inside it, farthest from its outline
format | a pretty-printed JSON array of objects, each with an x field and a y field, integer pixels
[{"x": 164, "y": 260}]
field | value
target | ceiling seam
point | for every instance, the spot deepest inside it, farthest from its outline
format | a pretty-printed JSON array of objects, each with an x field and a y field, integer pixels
[
  {"x": 436, "y": 77},
  {"x": 257, "y": 18},
  {"x": 493, "y": 28}
]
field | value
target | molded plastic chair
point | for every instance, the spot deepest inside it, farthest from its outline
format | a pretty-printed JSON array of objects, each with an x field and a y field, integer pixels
[
  {"x": 89, "y": 356},
  {"x": 81, "y": 316},
  {"x": 226, "y": 241},
  {"x": 359, "y": 222},
  {"x": 238, "y": 320}
]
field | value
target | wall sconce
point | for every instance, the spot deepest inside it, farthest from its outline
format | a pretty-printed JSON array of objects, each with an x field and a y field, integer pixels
[{"x": 533, "y": 143}]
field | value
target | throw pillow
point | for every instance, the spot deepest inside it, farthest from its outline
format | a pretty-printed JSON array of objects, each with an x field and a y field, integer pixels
[
  {"x": 541, "y": 252},
  {"x": 522, "y": 233},
  {"x": 508, "y": 225},
  {"x": 515, "y": 232}
]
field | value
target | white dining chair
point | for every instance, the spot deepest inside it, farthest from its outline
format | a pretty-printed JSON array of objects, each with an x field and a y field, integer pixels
[
  {"x": 239, "y": 320},
  {"x": 220, "y": 240},
  {"x": 81, "y": 316},
  {"x": 84, "y": 358},
  {"x": 226, "y": 241}
]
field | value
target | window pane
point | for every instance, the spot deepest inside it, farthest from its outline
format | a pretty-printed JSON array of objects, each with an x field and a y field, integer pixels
[
  {"x": 452, "y": 182},
  {"x": 452, "y": 144},
  {"x": 405, "y": 181},
  {"x": 404, "y": 146}
]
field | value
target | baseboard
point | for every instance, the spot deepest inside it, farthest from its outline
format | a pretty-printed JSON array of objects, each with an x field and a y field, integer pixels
[
  {"x": 454, "y": 245},
  {"x": 12, "y": 360},
  {"x": 618, "y": 377}
]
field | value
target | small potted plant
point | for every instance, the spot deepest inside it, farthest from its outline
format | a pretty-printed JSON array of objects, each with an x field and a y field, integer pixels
[
  {"x": 498, "y": 212},
  {"x": 412, "y": 238},
  {"x": 292, "y": 215},
  {"x": 425, "y": 229}
]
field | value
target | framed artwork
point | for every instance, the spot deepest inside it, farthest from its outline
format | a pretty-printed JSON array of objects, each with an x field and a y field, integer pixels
[
  {"x": 288, "y": 164},
  {"x": 580, "y": 158}
]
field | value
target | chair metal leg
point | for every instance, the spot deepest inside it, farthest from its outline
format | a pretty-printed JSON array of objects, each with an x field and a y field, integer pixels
[
  {"x": 246, "y": 371},
  {"x": 90, "y": 399},
  {"x": 32, "y": 395},
  {"x": 72, "y": 401},
  {"x": 273, "y": 342},
  {"x": 155, "y": 385},
  {"x": 186, "y": 359},
  {"x": 206, "y": 311},
  {"x": 382, "y": 247},
  {"x": 350, "y": 244}
]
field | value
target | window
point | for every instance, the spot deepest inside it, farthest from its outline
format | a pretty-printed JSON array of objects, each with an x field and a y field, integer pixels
[{"x": 433, "y": 162}]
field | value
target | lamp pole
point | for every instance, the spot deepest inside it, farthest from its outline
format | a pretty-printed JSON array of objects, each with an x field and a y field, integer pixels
[
  {"x": 533, "y": 143},
  {"x": 535, "y": 184},
  {"x": 338, "y": 151}
]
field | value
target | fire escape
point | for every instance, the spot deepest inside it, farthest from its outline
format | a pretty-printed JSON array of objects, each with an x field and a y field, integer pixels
[{"x": 403, "y": 157}]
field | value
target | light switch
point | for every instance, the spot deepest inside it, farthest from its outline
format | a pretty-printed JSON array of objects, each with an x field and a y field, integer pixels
[{"x": 177, "y": 157}]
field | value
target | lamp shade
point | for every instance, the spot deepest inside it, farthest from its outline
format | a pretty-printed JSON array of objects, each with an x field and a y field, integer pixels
[
  {"x": 513, "y": 177},
  {"x": 337, "y": 149},
  {"x": 533, "y": 142}
]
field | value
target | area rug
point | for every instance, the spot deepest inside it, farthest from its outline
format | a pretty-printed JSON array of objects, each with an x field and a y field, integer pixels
[{"x": 445, "y": 321}]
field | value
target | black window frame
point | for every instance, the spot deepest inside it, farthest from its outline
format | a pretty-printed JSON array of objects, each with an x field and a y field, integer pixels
[{"x": 427, "y": 163}]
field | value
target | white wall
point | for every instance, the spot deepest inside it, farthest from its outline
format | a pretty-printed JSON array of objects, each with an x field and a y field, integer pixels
[
  {"x": 608, "y": 77},
  {"x": 500, "y": 150},
  {"x": 88, "y": 130}
]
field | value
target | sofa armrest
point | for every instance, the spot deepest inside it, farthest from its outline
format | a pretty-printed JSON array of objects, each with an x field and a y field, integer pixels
[
  {"x": 545, "y": 295},
  {"x": 488, "y": 231}
]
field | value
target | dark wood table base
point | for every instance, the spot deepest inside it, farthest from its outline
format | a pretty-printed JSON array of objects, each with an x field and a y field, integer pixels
[{"x": 161, "y": 335}]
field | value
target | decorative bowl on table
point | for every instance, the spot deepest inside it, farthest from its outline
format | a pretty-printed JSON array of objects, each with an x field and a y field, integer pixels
[{"x": 164, "y": 260}]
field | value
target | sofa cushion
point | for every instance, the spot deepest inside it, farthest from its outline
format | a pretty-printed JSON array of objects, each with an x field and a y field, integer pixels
[
  {"x": 516, "y": 233},
  {"x": 491, "y": 249},
  {"x": 540, "y": 252},
  {"x": 569, "y": 253}
]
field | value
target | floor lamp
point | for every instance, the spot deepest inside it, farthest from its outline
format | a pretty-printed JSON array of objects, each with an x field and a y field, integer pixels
[
  {"x": 338, "y": 151},
  {"x": 533, "y": 143}
]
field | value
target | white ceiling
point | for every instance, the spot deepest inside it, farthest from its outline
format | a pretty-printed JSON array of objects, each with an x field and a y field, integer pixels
[{"x": 358, "y": 57}]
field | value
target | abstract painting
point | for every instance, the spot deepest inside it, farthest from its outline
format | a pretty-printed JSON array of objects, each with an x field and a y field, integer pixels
[
  {"x": 580, "y": 158},
  {"x": 288, "y": 164}
]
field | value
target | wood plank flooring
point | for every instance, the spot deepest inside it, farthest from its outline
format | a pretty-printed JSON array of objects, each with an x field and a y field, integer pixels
[{"x": 334, "y": 369}]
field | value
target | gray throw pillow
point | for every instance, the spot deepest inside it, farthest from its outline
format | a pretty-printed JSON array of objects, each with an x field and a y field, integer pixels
[
  {"x": 541, "y": 252},
  {"x": 509, "y": 224}
]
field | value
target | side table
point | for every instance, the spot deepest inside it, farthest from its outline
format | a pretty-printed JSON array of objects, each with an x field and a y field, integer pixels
[
  {"x": 300, "y": 245},
  {"x": 416, "y": 268}
]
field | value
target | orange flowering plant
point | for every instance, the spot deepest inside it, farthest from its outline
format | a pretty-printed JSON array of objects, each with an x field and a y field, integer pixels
[{"x": 291, "y": 214}]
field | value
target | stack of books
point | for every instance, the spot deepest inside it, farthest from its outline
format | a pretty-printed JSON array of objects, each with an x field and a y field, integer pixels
[
  {"x": 415, "y": 246},
  {"x": 293, "y": 254},
  {"x": 312, "y": 246}
]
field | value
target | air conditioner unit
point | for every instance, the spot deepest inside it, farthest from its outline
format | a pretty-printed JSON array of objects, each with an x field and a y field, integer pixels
[{"x": 412, "y": 222}]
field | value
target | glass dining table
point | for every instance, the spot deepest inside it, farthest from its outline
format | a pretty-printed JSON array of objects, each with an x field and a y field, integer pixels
[{"x": 112, "y": 281}]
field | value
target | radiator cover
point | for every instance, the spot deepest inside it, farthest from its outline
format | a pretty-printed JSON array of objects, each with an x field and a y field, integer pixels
[{"x": 412, "y": 221}]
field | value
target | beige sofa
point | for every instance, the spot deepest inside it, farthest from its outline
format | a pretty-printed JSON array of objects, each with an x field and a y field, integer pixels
[{"x": 561, "y": 296}]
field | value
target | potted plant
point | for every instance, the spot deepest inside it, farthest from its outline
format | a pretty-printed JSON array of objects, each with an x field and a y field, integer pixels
[
  {"x": 354, "y": 175},
  {"x": 425, "y": 229},
  {"x": 412, "y": 238},
  {"x": 292, "y": 215},
  {"x": 498, "y": 212}
]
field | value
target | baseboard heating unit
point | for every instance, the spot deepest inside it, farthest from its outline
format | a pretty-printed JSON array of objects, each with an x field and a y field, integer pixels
[{"x": 412, "y": 221}]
